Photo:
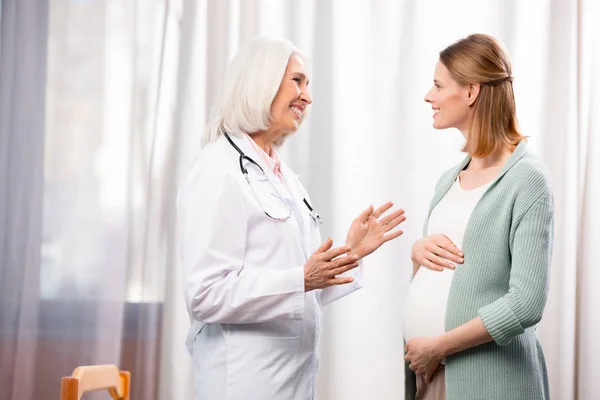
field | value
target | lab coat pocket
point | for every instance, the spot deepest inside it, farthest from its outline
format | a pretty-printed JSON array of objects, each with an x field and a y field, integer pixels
[
  {"x": 195, "y": 329},
  {"x": 261, "y": 367},
  {"x": 209, "y": 356}
]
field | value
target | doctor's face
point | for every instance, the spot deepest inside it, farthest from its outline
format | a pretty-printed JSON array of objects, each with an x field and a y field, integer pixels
[
  {"x": 292, "y": 98},
  {"x": 449, "y": 101}
]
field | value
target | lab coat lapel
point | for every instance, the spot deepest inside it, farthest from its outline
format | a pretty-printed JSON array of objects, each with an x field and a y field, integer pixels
[
  {"x": 297, "y": 220},
  {"x": 299, "y": 209}
]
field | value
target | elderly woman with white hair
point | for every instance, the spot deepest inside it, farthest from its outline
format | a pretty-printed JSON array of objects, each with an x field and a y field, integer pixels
[{"x": 256, "y": 273}]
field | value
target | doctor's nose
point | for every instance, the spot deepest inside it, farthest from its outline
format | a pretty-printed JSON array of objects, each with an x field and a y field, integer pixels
[{"x": 306, "y": 97}]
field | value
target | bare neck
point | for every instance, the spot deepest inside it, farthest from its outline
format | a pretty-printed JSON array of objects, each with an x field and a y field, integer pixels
[
  {"x": 495, "y": 160},
  {"x": 491, "y": 161},
  {"x": 265, "y": 139}
]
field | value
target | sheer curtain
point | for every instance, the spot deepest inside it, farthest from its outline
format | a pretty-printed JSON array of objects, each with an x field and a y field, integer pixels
[
  {"x": 88, "y": 91},
  {"x": 587, "y": 318},
  {"x": 369, "y": 139},
  {"x": 103, "y": 103},
  {"x": 22, "y": 81}
]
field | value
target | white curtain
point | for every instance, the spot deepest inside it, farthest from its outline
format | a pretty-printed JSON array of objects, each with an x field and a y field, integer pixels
[
  {"x": 103, "y": 103},
  {"x": 369, "y": 139},
  {"x": 585, "y": 315},
  {"x": 87, "y": 101},
  {"x": 107, "y": 247},
  {"x": 23, "y": 28}
]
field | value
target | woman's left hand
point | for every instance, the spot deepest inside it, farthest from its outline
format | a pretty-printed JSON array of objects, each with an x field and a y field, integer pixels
[
  {"x": 368, "y": 231},
  {"x": 424, "y": 356}
]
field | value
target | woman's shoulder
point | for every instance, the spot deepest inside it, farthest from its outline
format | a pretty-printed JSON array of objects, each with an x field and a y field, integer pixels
[
  {"x": 216, "y": 159},
  {"x": 530, "y": 181},
  {"x": 530, "y": 174},
  {"x": 212, "y": 167}
]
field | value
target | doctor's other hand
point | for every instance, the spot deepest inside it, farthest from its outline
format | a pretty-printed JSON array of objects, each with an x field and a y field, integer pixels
[
  {"x": 325, "y": 264},
  {"x": 372, "y": 228},
  {"x": 435, "y": 252}
]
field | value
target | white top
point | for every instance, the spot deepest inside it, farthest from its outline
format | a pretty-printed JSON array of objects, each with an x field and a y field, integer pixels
[{"x": 425, "y": 312}]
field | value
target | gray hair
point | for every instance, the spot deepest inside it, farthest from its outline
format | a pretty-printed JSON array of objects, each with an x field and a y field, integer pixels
[{"x": 251, "y": 83}]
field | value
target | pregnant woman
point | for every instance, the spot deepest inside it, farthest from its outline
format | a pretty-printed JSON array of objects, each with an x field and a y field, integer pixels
[{"x": 471, "y": 313}]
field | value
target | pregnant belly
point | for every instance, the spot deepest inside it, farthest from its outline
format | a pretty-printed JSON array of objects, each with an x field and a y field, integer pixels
[{"x": 425, "y": 312}]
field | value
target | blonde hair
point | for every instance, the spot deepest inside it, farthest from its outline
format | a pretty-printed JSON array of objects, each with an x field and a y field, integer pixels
[
  {"x": 482, "y": 59},
  {"x": 251, "y": 83}
]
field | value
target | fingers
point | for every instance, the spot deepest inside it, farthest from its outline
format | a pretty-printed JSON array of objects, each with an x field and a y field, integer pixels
[
  {"x": 363, "y": 216},
  {"x": 325, "y": 246},
  {"x": 381, "y": 209},
  {"x": 445, "y": 243},
  {"x": 439, "y": 261},
  {"x": 428, "y": 264},
  {"x": 392, "y": 235},
  {"x": 333, "y": 253},
  {"x": 394, "y": 223},
  {"x": 338, "y": 270},
  {"x": 339, "y": 281},
  {"x": 392, "y": 216},
  {"x": 449, "y": 256},
  {"x": 341, "y": 262},
  {"x": 430, "y": 372},
  {"x": 437, "y": 250},
  {"x": 428, "y": 377}
]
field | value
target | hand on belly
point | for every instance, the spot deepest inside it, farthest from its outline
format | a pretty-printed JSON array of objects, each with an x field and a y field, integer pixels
[{"x": 424, "y": 355}]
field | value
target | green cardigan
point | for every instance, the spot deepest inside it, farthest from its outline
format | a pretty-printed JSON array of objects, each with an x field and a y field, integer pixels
[{"x": 503, "y": 280}]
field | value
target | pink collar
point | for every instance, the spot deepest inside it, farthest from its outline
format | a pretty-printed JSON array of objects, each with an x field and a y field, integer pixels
[{"x": 272, "y": 159}]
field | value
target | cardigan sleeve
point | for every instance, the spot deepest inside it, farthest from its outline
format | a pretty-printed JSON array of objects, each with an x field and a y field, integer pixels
[{"x": 523, "y": 305}]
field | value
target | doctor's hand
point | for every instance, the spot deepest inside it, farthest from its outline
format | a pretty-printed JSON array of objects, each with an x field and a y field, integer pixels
[
  {"x": 325, "y": 264},
  {"x": 435, "y": 252},
  {"x": 368, "y": 231}
]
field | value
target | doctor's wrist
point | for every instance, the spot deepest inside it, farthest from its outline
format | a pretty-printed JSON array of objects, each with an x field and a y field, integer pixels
[{"x": 356, "y": 250}]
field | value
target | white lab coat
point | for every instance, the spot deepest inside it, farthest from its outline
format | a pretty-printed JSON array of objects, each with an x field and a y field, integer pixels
[{"x": 255, "y": 332}]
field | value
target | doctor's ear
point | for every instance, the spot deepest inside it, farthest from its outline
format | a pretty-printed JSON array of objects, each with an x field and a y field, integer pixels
[{"x": 473, "y": 93}]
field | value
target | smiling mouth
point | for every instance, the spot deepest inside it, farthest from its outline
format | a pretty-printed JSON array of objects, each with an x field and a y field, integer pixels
[{"x": 297, "y": 111}]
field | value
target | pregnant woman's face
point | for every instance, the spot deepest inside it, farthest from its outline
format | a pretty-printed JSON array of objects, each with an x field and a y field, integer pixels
[{"x": 449, "y": 100}]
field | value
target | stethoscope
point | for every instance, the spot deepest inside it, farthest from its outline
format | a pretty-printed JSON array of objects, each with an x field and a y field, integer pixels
[{"x": 314, "y": 214}]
